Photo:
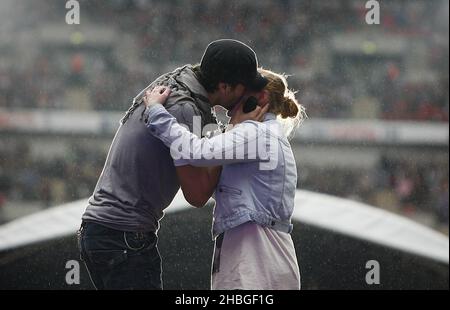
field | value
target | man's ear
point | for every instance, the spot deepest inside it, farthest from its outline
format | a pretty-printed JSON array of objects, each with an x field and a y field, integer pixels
[
  {"x": 263, "y": 98},
  {"x": 223, "y": 88}
]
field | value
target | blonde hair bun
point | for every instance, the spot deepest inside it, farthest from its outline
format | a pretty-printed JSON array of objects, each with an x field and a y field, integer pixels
[
  {"x": 289, "y": 108},
  {"x": 283, "y": 103}
]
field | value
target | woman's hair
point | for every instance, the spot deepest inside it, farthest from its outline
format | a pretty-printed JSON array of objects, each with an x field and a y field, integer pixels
[{"x": 283, "y": 102}]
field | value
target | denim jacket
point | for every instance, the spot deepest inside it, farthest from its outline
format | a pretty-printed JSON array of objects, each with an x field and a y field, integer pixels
[{"x": 259, "y": 175}]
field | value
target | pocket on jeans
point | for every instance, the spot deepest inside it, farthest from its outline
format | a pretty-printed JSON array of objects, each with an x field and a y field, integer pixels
[
  {"x": 107, "y": 258},
  {"x": 138, "y": 241}
]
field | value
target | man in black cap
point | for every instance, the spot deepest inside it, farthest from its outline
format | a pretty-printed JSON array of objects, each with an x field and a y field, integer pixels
[{"x": 118, "y": 235}]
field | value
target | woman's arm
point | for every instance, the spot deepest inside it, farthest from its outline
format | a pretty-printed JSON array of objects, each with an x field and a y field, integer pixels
[{"x": 244, "y": 143}]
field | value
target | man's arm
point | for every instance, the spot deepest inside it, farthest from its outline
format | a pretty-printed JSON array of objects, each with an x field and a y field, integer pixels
[{"x": 198, "y": 184}]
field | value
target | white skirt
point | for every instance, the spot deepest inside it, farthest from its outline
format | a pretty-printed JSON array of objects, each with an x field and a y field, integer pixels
[{"x": 253, "y": 257}]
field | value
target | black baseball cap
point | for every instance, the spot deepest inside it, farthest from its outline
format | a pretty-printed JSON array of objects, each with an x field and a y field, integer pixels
[{"x": 233, "y": 62}]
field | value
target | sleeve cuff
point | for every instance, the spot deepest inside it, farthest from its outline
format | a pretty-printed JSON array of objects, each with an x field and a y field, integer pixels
[{"x": 152, "y": 111}]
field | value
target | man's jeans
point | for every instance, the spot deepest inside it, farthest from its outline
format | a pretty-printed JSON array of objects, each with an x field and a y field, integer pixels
[{"x": 118, "y": 260}]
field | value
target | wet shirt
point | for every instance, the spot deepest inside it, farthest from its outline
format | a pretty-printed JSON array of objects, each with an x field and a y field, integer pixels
[{"x": 139, "y": 178}]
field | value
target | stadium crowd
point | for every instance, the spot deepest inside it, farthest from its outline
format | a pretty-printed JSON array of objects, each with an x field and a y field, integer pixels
[
  {"x": 398, "y": 186},
  {"x": 47, "y": 181},
  {"x": 284, "y": 26}
]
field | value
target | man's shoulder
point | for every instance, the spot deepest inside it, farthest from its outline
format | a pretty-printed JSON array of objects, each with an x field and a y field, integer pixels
[
  {"x": 182, "y": 107},
  {"x": 180, "y": 100}
]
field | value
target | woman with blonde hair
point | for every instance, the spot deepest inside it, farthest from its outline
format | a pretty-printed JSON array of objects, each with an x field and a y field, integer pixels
[{"x": 255, "y": 190}]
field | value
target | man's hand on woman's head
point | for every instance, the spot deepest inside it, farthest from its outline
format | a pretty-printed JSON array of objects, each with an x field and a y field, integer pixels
[
  {"x": 157, "y": 95},
  {"x": 256, "y": 115}
]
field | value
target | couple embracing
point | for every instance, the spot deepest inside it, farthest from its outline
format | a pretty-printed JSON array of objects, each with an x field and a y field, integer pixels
[{"x": 154, "y": 153}]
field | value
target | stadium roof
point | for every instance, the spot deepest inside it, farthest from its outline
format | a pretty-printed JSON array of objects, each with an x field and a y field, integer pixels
[{"x": 340, "y": 215}]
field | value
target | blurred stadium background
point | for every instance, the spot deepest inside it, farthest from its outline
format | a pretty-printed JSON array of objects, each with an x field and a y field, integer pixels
[{"x": 377, "y": 96}]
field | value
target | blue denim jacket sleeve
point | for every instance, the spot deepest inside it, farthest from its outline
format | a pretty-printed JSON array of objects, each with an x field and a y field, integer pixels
[{"x": 244, "y": 143}]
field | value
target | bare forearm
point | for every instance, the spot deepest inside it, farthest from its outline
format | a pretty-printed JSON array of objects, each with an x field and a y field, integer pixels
[
  {"x": 198, "y": 184},
  {"x": 213, "y": 176}
]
